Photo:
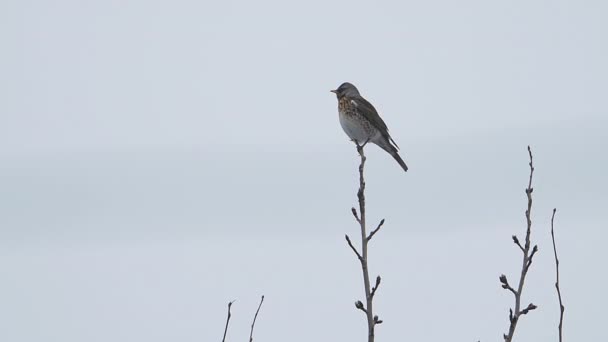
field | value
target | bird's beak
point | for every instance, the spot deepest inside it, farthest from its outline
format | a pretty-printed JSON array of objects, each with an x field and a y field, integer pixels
[{"x": 334, "y": 91}]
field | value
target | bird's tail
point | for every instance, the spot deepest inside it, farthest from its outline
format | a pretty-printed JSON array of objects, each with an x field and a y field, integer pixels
[
  {"x": 388, "y": 147},
  {"x": 399, "y": 160}
]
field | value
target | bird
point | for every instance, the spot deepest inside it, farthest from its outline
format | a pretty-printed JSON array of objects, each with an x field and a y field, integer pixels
[{"x": 362, "y": 123}]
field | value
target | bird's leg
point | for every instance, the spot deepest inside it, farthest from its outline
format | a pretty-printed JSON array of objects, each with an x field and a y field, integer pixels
[
  {"x": 360, "y": 147},
  {"x": 365, "y": 143}
]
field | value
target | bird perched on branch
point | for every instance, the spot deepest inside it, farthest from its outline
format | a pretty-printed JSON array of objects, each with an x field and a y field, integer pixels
[{"x": 361, "y": 121}]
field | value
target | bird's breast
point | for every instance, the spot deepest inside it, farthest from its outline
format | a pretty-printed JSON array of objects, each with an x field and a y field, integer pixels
[{"x": 355, "y": 125}]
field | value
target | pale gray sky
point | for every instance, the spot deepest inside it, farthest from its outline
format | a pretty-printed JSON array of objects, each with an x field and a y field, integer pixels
[{"x": 158, "y": 159}]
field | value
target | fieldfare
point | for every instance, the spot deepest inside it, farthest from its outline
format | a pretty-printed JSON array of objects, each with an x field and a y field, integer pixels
[{"x": 361, "y": 121}]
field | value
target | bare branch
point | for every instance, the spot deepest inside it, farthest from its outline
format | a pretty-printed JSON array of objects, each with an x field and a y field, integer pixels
[
  {"x": 353, "y": 248},
  {"x": 227, "y": 321},
  {"x": 375, "y": 230},
  {"x": 514, "y": 314},
  {"x": 254, "y": 318},
  {"x": 367, "y": 308},
  {"x": 559, "y": 294}
]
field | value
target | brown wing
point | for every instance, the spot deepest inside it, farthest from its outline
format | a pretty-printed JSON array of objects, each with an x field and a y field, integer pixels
[{"x": 369, "y": 112}]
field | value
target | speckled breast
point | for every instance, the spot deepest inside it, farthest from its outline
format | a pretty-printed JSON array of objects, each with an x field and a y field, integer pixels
[{"x": 354, "y": 124}]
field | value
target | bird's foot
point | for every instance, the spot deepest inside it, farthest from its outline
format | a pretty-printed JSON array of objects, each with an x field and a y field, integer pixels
[{"x": 360, "y": 147}]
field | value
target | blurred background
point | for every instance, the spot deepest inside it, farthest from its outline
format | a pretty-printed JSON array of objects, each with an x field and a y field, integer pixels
[{"x": 161, "y": 158}]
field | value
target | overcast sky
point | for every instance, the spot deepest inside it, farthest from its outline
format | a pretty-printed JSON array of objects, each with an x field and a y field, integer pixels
[{"x": 161, "y": 158}]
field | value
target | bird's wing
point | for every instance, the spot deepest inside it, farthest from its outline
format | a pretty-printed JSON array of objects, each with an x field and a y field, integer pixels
[{"x": 368, "y": 110}]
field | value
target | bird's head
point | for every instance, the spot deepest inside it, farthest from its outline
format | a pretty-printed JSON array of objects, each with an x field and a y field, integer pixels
[{"x": 346, "y": 89}]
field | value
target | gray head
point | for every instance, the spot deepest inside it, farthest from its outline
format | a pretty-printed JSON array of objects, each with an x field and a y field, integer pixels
[{"x": 346, "y": 89}]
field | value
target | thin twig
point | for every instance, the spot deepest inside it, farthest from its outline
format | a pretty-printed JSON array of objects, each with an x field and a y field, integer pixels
[
  {"x": 515, "y": 314},
  {"x": 559, "y": 294},
  {"x": 505, "y": 284},
  {"x": 516, "y": 241},
  {"x": 353, "y": 248},
  {"x": 254, "y": 318},
  {"x": 227, "y": 321},
  {"x": 375, "y": 230}
]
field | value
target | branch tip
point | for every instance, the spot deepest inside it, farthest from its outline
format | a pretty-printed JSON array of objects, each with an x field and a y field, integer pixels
[
  {"x": 359, "y": 305},
  {"x": 354, "y": 211},
  {"x": 528, "y": 309},
  {"x": 227, "y": 320},
  {"x": 254, "y": 319},
  {"x": 375, "y": 230},
  {"x": 375, "y": 287},
  {"x": 350, "y": 244}
]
